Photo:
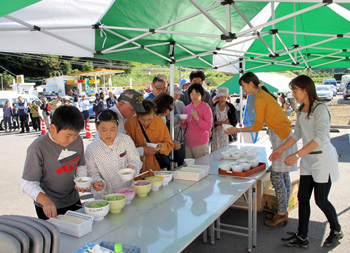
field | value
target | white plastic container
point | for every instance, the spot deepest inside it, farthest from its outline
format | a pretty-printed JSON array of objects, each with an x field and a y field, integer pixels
[{"x": 71, "y": 228}]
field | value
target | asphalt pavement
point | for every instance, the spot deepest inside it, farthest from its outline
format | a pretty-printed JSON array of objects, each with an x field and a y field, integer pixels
[{"x": 12, "y": 156}]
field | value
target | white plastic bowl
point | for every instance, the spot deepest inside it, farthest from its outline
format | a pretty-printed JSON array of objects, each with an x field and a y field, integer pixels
[
  {"x": 225, "y": 167},
  {"x": 166, "y": 175},
  {"x": 83, "y": 182},
  {"x": 242, "y": 160},
  {"x": 254, "y": 163},
  {"x": 237, "y": 168},
  {"x": 247, "y": 166},
  {"x": 183, "y": 116},
  {"x": 235, "y": 155},
  {"x": 152, "y": 145},
  {"x": 126, "y": 174},
  {"x": 226, "y": 154},
  {"x": 99, "y": 212},
  {"x": 226, "y": 126},
  {"x": 189, "y": 161}
]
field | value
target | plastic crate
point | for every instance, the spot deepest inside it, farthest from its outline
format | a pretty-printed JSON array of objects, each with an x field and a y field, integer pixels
[{"x": 77, "y": 230}]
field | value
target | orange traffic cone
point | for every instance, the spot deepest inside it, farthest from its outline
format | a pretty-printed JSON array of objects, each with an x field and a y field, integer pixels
[
  {"x": 88, "y": 132},
  {"x": 43, "y": 127}
]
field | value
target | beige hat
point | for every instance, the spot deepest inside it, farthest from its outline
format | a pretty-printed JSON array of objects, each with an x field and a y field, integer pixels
[
  {"x": 222, "y": 92},
  {"x": 177, "y": 89}
]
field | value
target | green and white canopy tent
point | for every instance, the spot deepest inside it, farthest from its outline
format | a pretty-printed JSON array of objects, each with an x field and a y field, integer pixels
[
  {"x": 273, "y": 82},
  {"x": 232, "y": 36},
  {"x": 226, "y": 35}
]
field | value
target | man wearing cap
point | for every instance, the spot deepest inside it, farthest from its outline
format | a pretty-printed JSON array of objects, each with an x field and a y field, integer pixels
[
  {"x": 185, "y": 83},
  {"x": 159, "y": 85},
  {"x": 196, "y": 76},
  {"x": 129, "y": 102}
]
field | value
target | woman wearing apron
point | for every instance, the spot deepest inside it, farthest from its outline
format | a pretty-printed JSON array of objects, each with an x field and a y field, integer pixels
[
  {"x": 319, "y": 161},
  {"x": 268, "y": 111}
]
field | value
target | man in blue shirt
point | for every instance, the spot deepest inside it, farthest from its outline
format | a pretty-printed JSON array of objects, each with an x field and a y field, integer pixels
[{"x": 159, "y": 85}]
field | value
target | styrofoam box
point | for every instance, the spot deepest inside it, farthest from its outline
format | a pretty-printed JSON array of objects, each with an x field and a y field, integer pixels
[
  {"x": 192, "y": 173},
  {"x": 77, "y": 230}
]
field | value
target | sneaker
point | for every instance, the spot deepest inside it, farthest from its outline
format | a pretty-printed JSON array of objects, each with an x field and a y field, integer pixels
[
  {"x": 297, "y": 241},
  {"x": 333, "y": 238}
]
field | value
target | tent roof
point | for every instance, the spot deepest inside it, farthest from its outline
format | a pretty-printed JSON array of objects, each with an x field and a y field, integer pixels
[
  {"x": 231, "y": 36},
  {"x": 233, "y": 86},
  {"x": 98, "y": 72}
]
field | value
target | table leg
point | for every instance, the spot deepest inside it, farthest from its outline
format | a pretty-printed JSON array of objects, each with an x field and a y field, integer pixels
[
  {"x": 255, "y": 227},
  {"x": 250, "y": 218},
  {"x": 211, "y": 232},
  {"x": 205, "y": 235},
  {"x": 218, "y": 227}
]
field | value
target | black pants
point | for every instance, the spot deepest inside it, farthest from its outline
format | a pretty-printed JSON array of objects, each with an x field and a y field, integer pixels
[
  {"x": 179, "y": 155},
  {"x": 41, "y": 214},
  {"x": 24, "y": 122},
  {"x": 36, "y": 123},
  {"x": 321, "y": 191}
]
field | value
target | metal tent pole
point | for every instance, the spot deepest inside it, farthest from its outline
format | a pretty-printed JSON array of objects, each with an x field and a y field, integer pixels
[{"x": 172, "y": 72}]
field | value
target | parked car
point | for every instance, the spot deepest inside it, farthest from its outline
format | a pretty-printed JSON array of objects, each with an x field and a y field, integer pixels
[
  {"x": 324, "y": 92},
  {"x": 346, "y": 92}
]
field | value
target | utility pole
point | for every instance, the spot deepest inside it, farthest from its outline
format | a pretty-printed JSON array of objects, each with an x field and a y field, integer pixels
[{"x": 2, "y": 83}]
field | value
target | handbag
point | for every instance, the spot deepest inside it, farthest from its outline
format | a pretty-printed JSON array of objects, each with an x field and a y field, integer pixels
[{"x": 163, "y": 160}]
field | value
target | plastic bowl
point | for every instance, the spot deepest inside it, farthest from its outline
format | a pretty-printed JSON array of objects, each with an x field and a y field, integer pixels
[
  {"x": 226, "y": 126},
  {"x": 247, "y": 166},
  {"x": 235, "y": 155},
  {"x": 83, "y": 182},
  {"x": 129, "y": 193},
  {"x": 152, "y": 145},
  {"x": 126, "y": 174},
  {"x": 115, "y": 205},
  {"x": 142, "y": 187},
  {"x": 254, "y": 163},
  {"x": 97, "y": 212},
  {"x": 189, "y": 161},
  {"x": 166, "y": 175},
  {"x": 237, "y": 168},
  {"x": 226, "y": 154},
  {"x": 183, "y": 116},
  {"x": 242, "y": 160},
  {"x": 225, "y": 167},
  {"x": 156, "y": 181}
]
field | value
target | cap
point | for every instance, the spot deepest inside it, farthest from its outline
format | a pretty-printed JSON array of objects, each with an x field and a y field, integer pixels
[
  {"x": 177, "y": 89},
  {"x": 184, "y": 81},
  {"x": 222, "y": 92},
  {"x": 134, "y": 98}
]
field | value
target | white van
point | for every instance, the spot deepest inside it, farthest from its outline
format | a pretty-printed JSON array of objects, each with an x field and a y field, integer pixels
[{"x": 13, "y": 98}]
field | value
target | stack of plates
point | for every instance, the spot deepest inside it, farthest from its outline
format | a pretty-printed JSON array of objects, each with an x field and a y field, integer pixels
[{"x": 27, "y": 234}]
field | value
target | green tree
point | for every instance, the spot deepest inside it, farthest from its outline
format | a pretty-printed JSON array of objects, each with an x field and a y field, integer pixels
[
  {"x": 6, "y": 80},
  {"x": 66, "y": 68},
  {"x": 87, "y": 66}
]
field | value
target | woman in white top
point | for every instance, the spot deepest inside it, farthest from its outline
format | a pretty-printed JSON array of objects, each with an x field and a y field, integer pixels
[
  {"x": 319, "y": 161},
  {"x": 108, "y": 154},
  {"x": 84, "y": 106}
]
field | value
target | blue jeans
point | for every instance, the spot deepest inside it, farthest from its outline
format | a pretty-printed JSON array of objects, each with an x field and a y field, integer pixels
[{"x": 321, "y": 191}]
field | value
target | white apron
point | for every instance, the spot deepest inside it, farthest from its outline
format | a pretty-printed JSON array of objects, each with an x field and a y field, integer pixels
[{"x": 322, "y": 165}]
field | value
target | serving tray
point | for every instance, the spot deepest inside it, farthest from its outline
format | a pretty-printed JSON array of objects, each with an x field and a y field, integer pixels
[{"x": 260, "y": 167}]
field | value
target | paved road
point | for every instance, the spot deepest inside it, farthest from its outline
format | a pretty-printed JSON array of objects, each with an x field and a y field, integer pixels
[{"x": 13, "y": 201}]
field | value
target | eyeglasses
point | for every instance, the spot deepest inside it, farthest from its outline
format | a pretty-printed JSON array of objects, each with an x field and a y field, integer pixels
[{"x": 159, "y": 88}]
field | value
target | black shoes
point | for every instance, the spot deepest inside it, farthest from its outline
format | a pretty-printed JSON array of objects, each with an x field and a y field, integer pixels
[
  {"x": 296, "y": 241},
  {"x": 333, "y": 238}
]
